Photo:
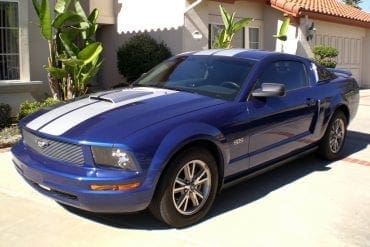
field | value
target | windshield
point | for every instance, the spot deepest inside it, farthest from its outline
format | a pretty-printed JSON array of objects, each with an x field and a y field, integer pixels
[{"x": 213, "y": 76}]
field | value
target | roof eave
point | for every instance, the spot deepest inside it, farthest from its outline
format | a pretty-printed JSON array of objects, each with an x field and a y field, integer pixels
[
  {"x": 335, "y": 19},
  {"x": 295, "y": 14}
]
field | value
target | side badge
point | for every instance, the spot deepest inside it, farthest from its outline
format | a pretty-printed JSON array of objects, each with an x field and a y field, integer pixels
[{"x": 238, "y": 141}]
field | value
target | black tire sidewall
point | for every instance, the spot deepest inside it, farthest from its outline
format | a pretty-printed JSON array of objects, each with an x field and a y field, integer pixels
[{"x": 324, "y": 148}]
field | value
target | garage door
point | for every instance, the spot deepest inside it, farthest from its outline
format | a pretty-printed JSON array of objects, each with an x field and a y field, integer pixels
[{"x": 350, "y": 51}]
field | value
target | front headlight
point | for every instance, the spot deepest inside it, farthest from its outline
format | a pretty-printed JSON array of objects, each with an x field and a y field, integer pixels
[{"x": 114, "y": 157}]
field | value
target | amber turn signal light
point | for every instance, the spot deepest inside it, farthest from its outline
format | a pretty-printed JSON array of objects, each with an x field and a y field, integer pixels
[{"x": 115, "y": 186}]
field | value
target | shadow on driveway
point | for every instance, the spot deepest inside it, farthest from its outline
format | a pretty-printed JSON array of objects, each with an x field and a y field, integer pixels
[{"x": 240, "y": 194}]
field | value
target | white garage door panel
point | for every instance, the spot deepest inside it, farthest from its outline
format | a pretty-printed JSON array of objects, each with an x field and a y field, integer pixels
[{"x": 350, "y": 51}]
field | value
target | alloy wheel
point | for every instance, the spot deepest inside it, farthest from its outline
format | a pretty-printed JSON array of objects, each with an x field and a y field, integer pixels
[{"x": 192, "y": 187}]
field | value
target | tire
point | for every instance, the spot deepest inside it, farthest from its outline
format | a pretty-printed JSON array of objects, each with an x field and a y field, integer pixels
[
  {"x": 186, "y": 189},
  {"x": 331, "y": 145}
]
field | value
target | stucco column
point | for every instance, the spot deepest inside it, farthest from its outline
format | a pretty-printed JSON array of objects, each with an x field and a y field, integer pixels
[{"x": 365, "y": 83}]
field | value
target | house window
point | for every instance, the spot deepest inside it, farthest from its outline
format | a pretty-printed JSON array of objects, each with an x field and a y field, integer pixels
[
  {"x": 254, "y": 38},
  {"x": 214, "y": 29},
  {"x": 9, "y": 41}
]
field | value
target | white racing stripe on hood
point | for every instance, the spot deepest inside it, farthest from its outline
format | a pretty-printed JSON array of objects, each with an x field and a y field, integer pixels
[
  {"x": 66, "y": 122},
  {"x": 57, "y": 112}
]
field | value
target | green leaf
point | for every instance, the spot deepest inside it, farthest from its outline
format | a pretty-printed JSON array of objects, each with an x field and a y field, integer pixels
[
  {"x": 37, "y": 7},
  {"x": 92, "y": 30},
  {"x": 225, "y": 17},
  {"x": 84, "y": 26},
  {"x": 73, "y": 62},
  {"x": 70, "y": 47},
  {"x": 61, "y": 19},
  {"x": 57, "y": 73},
  {"x": 61, "y": 6},
  {"x": 90, "y": 52},
  {"x": 283, "y": 30},
  {"x": 71, "y": 33},
  {"x": 45, "y": 19},
  {"x": 241, "y": 23},
  {"x": 79, "y": 10},
  {"x": 93, "y": 16},
  {"x": 91, "y": 72}
]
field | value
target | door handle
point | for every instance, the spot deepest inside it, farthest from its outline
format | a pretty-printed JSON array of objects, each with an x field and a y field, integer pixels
[{"x": 311, "y": 102}]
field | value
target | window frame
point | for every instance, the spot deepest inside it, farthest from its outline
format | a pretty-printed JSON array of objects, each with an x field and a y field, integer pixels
[
  {"x": 255, "y": 24},
  {"x": 23, "y": 42}
]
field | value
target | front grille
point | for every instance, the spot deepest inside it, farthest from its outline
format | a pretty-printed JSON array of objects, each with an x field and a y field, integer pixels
[{"x": 57, "y": 150}]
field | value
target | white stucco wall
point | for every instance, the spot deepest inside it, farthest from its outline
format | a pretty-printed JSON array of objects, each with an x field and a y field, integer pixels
[
  {"x": 270, "y": 26},
  {"x": 366, "y": 61},
  {"x": 38, "y": 48},
  {"x": 208, "y": 12}
]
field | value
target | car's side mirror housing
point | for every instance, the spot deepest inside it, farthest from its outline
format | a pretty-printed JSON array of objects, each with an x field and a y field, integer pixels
[{"x": 269, "y": 90}]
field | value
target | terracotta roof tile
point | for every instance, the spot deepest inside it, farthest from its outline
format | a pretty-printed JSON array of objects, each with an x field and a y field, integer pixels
[{"x": 333, "y": 8}]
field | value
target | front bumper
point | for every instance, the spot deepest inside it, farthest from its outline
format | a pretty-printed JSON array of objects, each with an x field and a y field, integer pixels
[{"x": 70, "y": 184}]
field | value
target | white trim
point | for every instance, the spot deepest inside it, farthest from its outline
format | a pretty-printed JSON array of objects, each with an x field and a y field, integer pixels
[
  {"x": 193, "y": 5},
  {"x": 24, "y": 49},
  {"x": 24, "y": 60}
]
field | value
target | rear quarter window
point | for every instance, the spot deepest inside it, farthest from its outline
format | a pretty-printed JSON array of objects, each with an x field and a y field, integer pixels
[{"x": 324, "y": 75}]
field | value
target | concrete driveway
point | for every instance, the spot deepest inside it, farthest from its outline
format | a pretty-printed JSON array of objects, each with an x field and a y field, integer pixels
[{"x": 307, "y": 202}]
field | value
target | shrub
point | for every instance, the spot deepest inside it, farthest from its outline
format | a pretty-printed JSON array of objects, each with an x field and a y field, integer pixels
[
  {"x": 27, "y": 108},
  {"x": 5, "y": 119},
  {"x": 325, "y": 55},
  {"x": 140, "y": 54},
  {"x": 9, "y": 136}
]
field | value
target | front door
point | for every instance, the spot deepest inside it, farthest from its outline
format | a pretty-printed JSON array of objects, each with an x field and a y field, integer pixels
[{"x": 281, "y": 125}]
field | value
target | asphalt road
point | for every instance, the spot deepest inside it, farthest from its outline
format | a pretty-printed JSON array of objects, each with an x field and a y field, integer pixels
[{"x": 307, "y": 202}]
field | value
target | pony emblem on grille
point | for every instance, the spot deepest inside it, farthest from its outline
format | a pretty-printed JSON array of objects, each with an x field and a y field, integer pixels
[{"x": 42, "y": 143}]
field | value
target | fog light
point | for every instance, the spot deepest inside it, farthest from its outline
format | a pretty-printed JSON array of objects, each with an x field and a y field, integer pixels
[{"x": 115, "y": 186}]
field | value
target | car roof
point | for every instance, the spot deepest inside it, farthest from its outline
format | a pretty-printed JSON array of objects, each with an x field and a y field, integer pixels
[{"x": 240, "y": 53}]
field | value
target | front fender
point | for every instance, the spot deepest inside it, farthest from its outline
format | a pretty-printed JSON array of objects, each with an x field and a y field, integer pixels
[{"x": 181, "y": 136}]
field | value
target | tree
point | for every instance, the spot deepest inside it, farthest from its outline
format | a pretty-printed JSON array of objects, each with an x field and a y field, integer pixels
[
  {"x": 226, "y": 35},
  {"x": 353, "y": 3},
  {"x": 74, "y": 56}
]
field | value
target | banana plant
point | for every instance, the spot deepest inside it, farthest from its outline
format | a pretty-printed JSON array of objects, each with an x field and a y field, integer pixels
[
  {"x": 74, "y": 56},
  {"x": 230, "y": 27},
  {"x": 283, "y": 32}
]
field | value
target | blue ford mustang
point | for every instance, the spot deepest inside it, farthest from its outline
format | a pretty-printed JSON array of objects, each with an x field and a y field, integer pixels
[{"x": 192, "y": 125}]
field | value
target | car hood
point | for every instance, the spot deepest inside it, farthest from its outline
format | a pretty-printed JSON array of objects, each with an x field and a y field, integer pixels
[{"x": 113, "y": 115}]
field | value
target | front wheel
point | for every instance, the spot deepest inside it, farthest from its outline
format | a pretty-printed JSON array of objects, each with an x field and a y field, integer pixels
[
  {"x": 187, "y": 188},
  {"x": 332, "y": 144}
]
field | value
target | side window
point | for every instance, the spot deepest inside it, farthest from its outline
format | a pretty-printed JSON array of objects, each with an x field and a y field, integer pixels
[
  {"x": 290, "y": 73},
  {"x": 324, "y": 74}
]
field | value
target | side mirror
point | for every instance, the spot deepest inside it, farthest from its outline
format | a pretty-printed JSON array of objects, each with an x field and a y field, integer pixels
[{"x": 269, "y": 90}]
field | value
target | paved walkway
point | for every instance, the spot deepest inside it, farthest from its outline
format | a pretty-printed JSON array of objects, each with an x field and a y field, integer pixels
[{"x": 304, "y": 203}]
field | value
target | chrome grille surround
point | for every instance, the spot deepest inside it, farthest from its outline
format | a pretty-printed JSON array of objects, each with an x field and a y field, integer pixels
[{"x": 56, "y": 150}]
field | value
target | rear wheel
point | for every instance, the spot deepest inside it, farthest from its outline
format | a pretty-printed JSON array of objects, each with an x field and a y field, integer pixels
[
  {"x": 187, "y": 188},
  {"x": 332, "y": 144}
]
